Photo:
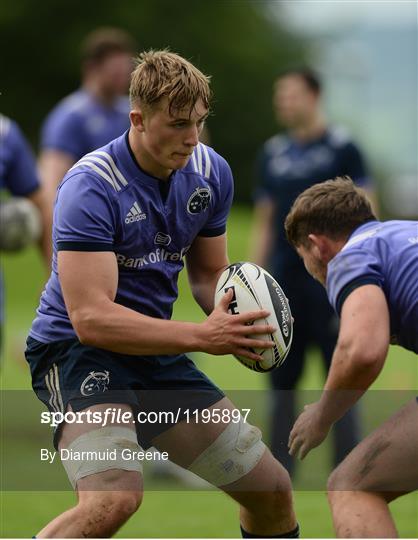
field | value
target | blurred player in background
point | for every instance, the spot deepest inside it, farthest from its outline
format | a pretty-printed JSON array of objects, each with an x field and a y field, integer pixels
[
  {"x": 125, "y": 216},
  {"x": 93, "y": 115},
  {"x": 369, "y": 269},
  {"x": 310, "y": 152},
  {"x": 19, "y": 221}
]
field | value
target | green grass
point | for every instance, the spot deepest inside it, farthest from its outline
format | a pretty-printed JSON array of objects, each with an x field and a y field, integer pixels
[{"x": 169, "y": 510}]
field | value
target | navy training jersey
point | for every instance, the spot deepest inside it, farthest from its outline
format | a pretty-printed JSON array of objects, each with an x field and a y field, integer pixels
[
  {"x": 107, "y": 203},
  {"x": 384, "y": 254},
  {"x": 80, "y": 123},
  {"x": 17, "y": 163},
  {"x": 286, "y": 168}
]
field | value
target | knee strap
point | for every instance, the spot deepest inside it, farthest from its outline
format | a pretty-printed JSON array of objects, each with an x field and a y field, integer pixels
[
  {"x": 231, "y": 456},
  {"x": 100, "y": 450}
]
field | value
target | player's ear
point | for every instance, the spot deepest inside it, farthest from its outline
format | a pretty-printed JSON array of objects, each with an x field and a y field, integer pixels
[
  {"x": 321, "y": 246},
  {"x": 137, "y": 119}
]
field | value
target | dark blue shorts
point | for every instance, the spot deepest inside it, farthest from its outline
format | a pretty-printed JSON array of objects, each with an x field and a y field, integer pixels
[{"x": 68, "y": 372}]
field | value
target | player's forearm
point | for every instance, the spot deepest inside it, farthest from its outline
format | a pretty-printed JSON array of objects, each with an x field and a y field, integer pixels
[
  {"x": 122, "y": 330},
  {"x": 203, "y": 289},
  {"x": 350, "y": 375}
]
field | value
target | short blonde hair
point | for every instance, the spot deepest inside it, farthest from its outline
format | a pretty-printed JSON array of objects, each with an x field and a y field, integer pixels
[
  {"x": 160, "y": 74},
  {"x": 333, "y": 208}
]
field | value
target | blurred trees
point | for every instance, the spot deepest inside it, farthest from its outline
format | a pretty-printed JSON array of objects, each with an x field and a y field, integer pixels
[{"x": 238, "y": 42}]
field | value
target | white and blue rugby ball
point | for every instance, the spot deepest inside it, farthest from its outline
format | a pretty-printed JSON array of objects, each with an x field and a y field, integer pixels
[{"x": 255, "y": 289}]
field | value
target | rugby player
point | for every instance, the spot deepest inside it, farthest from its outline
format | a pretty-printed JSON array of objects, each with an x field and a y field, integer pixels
[
  {"x": 18, "y": 178},
  {"x": 369, "y": 269},
  {"x": 125, "y": 217},
  {"x": 94, "y": 114},
  {"x": 310, "y": 150}
]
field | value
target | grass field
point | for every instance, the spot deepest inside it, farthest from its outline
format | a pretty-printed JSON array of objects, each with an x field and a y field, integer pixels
[{"x": 168, "y": 509}]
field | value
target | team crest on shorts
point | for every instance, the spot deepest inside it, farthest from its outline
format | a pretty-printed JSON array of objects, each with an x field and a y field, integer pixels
[
  {"x": 95, "y": 383},
  {"x": 199, "y": 200}
]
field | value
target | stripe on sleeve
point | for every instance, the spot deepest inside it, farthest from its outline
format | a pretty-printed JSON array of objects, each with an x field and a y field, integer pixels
[
  {"x": 110, "y": 179},
  {"x": 199, "y": 158},
  {"x": 116, "y": 171},
  {"x": 207, "y": 161}
]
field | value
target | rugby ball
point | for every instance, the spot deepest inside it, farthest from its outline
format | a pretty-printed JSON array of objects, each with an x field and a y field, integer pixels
[
  {"x": 20, "y": 224},
  {"x": 254, "y": 289}
]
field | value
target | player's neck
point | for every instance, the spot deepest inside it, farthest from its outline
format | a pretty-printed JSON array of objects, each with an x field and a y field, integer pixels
[{"x": 311, "y": 130}]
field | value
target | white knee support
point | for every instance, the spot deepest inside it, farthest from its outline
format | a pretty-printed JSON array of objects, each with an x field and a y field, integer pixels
[
  {"x": 100, "y": 450},
  {"x": 231, "y": 456}
]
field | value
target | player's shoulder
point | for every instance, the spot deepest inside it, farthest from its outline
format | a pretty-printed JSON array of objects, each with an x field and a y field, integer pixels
[
  {"x": 100, "y": 167},
  {"x": 363, "y": 234},
  {"x": 339, "y": 137},
  {"x": 207, "y": 163},
  {"x": 276, "y": 145},
  {"x": 72, "y": 106},
  {"x": 7, "y": 126},
  {"x": 10, "y": 133}
]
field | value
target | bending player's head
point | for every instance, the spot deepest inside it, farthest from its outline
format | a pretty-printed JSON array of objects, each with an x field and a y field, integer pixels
[
  {"x": 296, "y": 97},
  {"x": 107, "y": 57},
  {"x": 321, "y": 220},
  {"x": 170, "y": 101}
]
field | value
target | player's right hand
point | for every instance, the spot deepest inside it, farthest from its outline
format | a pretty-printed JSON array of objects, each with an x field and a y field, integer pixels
[{"x": 223, "y": 333}]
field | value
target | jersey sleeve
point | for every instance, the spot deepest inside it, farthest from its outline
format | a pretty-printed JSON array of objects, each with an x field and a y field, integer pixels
[
  {"x": 216, "y": 225},
  {"x": 21, "y": 177},
  {"x": 353, "y": 164},
  {"x": 64, "y": 131},
  {"x": 84, "y": 217},
  {"x": 350, "y": 270}
]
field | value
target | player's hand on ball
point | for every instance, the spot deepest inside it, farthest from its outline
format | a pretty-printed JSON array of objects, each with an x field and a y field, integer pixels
[
  {"x": 308, "y": 431},
  {"x": 227, "y": 334}
]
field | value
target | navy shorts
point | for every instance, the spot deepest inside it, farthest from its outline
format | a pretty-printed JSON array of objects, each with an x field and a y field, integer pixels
[{"x": 68, "y": 372}]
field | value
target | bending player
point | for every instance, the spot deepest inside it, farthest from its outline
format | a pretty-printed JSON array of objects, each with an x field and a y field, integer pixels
[
  {"x": 125, "y": 216},
  {"x": 369, "y": 269}
]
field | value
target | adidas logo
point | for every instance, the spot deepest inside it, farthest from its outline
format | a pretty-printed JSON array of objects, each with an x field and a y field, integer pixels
[{"x": 135, "y": 214}]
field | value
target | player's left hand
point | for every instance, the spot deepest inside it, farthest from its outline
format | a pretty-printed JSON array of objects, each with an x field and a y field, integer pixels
[{"x": 308, "y": 431}]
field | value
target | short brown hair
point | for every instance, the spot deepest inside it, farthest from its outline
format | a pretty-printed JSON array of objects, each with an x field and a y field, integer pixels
[
  {"x": 161, "y": 74},
  {"x": 104, "y": 42},
  {"x": 334, "y": 208}
]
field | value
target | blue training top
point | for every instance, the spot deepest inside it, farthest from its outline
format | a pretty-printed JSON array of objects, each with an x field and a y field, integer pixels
[
  {"x": 106, "y": 202},
  {"x": 384, "y": 254},
  {"x": 80, "y": 123},
  {"x": 286, "y": 167},
  {"x": 17, "y": 163},
  {"x": 18, "y": 174}
]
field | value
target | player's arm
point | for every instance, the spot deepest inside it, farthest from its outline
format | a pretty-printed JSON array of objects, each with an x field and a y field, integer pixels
[
  {"x": 262, "y": 231},
  {"x": 358, "y": 358},
  {"x": 53, "y": 165},
  {"x": 206, "y": 260},
  {"x": 89, "y": 284},
  {"x": 360, "y": 352},
  {"x": 40, "y": 200}
]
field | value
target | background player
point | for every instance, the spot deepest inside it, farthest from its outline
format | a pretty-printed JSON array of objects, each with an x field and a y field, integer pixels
[
  {"x": 18, "y": 178},
  {"x": 93, "y": 115},
  {"x": 369, "y": 269},
  {"x": 125, "y": 216},
  {"x": 310, "y": 152}
]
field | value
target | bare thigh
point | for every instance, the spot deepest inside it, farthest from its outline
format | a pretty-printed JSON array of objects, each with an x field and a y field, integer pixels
[{"x": 386, "y": 460}]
